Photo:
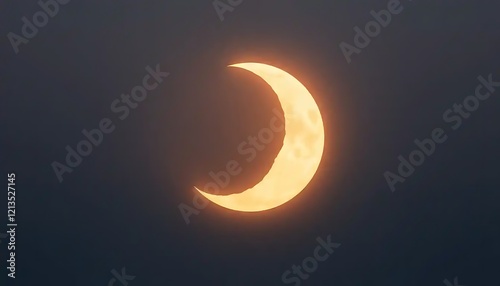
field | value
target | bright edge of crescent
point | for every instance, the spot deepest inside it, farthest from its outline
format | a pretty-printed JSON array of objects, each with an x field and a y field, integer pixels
[{"x": 300, "y": 155}]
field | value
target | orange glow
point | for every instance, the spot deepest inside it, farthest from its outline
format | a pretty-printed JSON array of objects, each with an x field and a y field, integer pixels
[{"x": 300, "y": 155}]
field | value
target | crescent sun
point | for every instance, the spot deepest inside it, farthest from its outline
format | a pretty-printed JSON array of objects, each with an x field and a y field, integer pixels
[{"x": 301, "y": 153}]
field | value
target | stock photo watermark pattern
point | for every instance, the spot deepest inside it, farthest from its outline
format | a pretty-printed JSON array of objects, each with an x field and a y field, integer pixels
[
  {"x": 124, "y": 105},
  {"x": 454, "y": 117},
  {"x": 372, "y": 29},
  {"x": 121, "y": 108},
  {"x": 311, "y": 263},
  {"x": 221, "y": 7},
  {"x": 122, "y": 278},
  {"x": 249, "y": 148},
  {"x": 40, "y": 19}
]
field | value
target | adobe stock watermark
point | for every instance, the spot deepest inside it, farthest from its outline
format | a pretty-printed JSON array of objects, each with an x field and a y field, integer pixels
[
  {"x": 121, "y": 107},
  {"x": 122, "y": 277},
  {"x": 40, "y": 19},
  {"x": 372, "y": 29},
  {"x": 455, "y": 282},
  {"x": 311, "y": 263},
  {"x": 454, "y": 116},
  {"x": 221, "y": 7},
  {"x": 221, "y": 179}
]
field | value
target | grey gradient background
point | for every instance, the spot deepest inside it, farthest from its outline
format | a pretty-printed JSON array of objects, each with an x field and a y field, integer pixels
[{"x": 119, "y": 208}]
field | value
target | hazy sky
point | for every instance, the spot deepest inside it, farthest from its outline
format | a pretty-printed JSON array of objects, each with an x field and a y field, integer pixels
[{"x": 120, "y": 206}]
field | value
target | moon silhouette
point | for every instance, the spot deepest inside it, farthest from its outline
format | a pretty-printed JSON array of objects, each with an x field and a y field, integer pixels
[{"x": 300, "y": 155}]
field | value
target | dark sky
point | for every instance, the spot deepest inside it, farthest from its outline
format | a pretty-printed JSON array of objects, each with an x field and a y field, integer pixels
[{"x": 119, "y": 207}]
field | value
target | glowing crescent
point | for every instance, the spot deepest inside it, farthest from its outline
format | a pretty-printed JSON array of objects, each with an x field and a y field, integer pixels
[{"x": 300, "y": 155}]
